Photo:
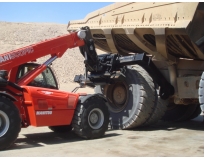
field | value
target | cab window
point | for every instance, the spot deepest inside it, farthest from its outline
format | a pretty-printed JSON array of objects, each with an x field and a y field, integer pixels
[{"x": 45, "y": 79}]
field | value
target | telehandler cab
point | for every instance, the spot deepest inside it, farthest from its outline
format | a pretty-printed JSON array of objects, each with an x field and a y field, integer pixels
[{"x": 29, "y": 94}]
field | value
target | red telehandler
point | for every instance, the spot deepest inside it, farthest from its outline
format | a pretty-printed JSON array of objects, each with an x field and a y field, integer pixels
[{"x": 29, "y": 93}]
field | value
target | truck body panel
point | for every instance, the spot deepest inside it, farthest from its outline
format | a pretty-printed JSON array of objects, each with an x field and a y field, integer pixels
[{"x": 165, "y": 30}]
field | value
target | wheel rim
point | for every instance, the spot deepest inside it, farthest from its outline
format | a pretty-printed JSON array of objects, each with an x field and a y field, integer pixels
[
  {"x": 117, "y": 96},
  {"x": 96, "y": 118},
  {"x": 4, "y": 123}
]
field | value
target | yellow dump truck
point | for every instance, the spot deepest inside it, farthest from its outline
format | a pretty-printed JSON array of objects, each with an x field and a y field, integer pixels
[{"x": 153, "y": 64}]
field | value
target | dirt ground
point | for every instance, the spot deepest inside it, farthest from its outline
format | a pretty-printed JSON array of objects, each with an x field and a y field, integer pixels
[
  {"x": 162, "y": 140},
  {"x": 184, "y": 139}
]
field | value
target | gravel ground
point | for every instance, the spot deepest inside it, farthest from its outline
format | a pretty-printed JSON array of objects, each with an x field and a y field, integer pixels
[{"x": 184, "y": 139}]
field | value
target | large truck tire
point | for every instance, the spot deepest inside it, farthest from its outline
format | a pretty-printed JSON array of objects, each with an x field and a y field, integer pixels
[
  {"x": 61, "y": 129},
  {"x": 159, "y": 109},
  {"x": 158, "y": 113},
  {"x": 91, "y": 117},
  {"x": 160, "y": 105},
  {"x": 201, "y": 92},
  {"x": 132, "y": 100},
  {"x": 10, "y": 123},
  {"x": 179, "y": 113},
  {"x": 196, "y": 113}
]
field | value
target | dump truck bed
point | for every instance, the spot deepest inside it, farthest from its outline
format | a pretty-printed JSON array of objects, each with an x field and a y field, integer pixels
[{"x": 164, "y": 30}]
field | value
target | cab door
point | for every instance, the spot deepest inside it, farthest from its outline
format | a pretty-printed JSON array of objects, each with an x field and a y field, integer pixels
[
  {"x": 49, "y": 107},
  {"x": 44, "y": 103}
]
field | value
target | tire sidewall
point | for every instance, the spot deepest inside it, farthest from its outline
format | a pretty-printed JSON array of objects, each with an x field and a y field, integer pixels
[
  {"x": 201, "y": 92},
  {"x": 140, "y": 101},
  {"x": 14, "y": 123},
  {"x": 87, "y": 130},
  {"x": 179, "y": 112},
  {"x": 130, "y": 107}
]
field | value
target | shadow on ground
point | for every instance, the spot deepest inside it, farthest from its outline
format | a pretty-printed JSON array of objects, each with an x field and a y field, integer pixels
[
  {"x": 49, "y": 138},
  {"x": 195, "y": 124}
]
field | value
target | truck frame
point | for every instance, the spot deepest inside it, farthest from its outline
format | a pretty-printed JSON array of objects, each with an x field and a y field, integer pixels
[{"x": 166, "y": 41}]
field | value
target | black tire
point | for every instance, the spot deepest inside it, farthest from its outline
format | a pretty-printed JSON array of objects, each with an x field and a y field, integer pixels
[
  {"x": 190, "y": 109},
  {"x": 196, "y": 113},
  {"x": 158, "y": 113},
  {"x": 179, "y": 113},
  {"x": 10, "y": 123},
  {"x": 201, "y": 92},
  {"x": 135, "y": 102},
  {"x": 93, "y": 109},
  {"x": 61, "y": 129}
]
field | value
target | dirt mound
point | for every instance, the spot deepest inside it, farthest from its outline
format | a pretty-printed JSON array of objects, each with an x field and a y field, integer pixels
[{"x": 16, "y": 35}]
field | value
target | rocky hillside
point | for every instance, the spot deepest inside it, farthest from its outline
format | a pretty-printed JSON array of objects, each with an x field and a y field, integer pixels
[{"x": 16, "y": 35}]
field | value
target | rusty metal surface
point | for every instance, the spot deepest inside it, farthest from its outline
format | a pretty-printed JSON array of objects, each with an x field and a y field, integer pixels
[
  {"x": 188, "y": 86},
  {"x": 165, "y": 30}
]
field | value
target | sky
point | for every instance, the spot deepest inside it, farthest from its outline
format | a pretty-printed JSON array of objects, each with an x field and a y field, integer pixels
[{"x": 48, "y": 12}]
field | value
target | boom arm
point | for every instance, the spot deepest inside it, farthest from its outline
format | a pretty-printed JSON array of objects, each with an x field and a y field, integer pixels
[{"x": 54, "y": 47}]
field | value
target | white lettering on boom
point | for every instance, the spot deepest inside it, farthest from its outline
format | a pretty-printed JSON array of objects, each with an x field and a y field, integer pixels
[{"x": 16, "y": 54}]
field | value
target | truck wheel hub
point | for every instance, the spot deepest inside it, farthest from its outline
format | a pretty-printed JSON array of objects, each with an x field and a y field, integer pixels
[
  {"x": 119, "y": 94},
  {"x": 96, "y": 118},
  {"x": 4, "y": 123},
  {"x": 93, "y": 118}
]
